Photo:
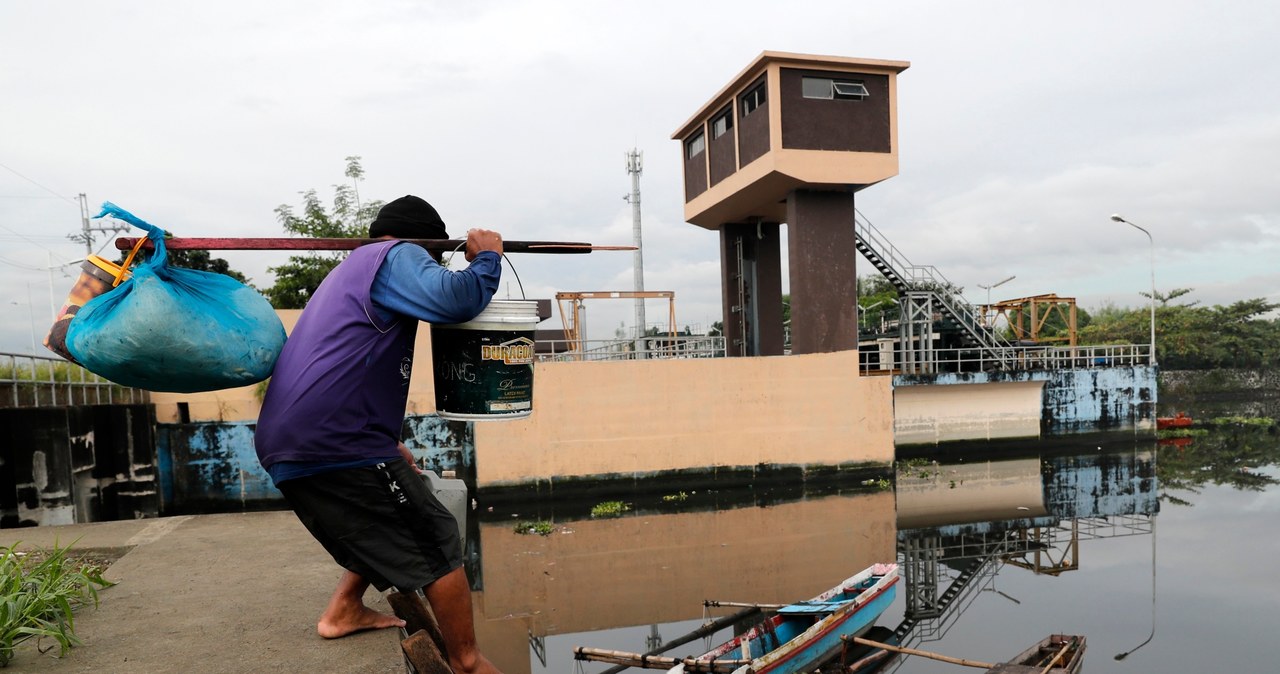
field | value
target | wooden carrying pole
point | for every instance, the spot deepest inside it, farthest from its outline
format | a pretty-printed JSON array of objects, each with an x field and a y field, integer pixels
[
  {"x": 300, "y": 243},
  {"x": 923, "y": 654}
]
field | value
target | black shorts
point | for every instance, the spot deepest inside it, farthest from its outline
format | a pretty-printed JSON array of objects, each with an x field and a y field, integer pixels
[{"x": 381, "y": 522}]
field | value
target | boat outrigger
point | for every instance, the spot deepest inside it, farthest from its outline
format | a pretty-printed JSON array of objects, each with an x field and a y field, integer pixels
[{"x": 794, "y": 638}]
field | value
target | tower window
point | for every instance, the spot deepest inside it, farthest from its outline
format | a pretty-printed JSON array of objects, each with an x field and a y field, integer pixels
[
  {"x": 827, "y": 88},
  {"x": 695, "y": 145},
  {"x": 722, "y": 123},
  {"x": 753, "y": 99}
]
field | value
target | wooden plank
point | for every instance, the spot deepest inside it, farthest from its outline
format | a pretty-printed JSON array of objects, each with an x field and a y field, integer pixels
[
  {"x": 421, "y": 652},
  {"x": 418, "y": 618}
]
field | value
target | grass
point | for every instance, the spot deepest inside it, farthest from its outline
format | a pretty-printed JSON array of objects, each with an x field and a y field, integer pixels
[
  {"x": 883, "y": 483},
  {"x": 541, "y": 528},
  {"x": 39, "y": 594},
  {"x": 609, "y": 509},
  {"x": 1242, "y": 421},
  {"x": 47, "y": 371},
  {"x": 1181, "y": 432},
  {"x": 919, "y": 467}
]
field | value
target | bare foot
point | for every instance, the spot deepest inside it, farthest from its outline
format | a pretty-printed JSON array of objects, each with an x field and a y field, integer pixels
[{"x": 359, "y": 620}]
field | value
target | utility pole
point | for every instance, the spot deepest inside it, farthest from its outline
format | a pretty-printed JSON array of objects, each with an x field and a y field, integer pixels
[
  {"x": 635, "y": 161},
  {"x": 86, "y": 230}
]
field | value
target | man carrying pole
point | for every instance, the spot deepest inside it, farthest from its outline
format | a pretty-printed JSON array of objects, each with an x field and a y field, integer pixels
[{"x": 329, "y": 430}]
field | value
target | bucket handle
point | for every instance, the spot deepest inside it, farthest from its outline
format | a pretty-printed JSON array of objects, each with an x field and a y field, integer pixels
[
  {"x": 504, "y": 256},
  {"x": 129, "y": 260}
]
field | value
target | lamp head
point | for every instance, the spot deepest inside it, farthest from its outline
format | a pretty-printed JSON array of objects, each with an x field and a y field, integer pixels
[{"x": 1116, "y": 217}]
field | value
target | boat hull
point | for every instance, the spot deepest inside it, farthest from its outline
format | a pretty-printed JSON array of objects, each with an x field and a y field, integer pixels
[
  {"x": 1039, "y": 655},
  {"x": 806, "y": 634}
]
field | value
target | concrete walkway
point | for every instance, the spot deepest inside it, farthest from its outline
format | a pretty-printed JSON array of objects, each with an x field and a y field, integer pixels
[{"x": 211, "y": 593}]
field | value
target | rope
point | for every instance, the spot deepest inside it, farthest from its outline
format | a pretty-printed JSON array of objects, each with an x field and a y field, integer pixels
[
  {"x": 462, "y": 245},
  {"x": 124, "y": 268}
]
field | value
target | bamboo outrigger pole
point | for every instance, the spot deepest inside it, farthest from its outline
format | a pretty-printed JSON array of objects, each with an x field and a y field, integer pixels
[
  {"x": 923, "y": 654},
  {"x": 301, "y": 243},
  {"x": 656, "y": 661},
  {"x": 707, "y": 629}
]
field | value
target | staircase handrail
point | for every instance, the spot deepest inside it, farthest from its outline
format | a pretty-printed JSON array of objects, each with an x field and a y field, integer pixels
[{"x": 916, "y": 276}]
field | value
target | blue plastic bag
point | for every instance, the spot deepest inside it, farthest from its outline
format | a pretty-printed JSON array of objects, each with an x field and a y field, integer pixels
[{"x": 174, "y": 329}]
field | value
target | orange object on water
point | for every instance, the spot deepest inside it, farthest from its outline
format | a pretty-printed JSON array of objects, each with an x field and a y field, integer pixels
[{"x": 1181, "y": 420}]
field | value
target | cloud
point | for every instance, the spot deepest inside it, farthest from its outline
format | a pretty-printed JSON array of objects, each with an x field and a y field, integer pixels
[{"x": 1020, "y": 129}]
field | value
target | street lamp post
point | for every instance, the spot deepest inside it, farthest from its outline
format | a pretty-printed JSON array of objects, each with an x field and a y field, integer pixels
[
  {"x": 1116, "y": 217},
  {"x": 31, "y": 318},
  {"x": 1121, "y": 656},
  {"x": 997, "y": 284}
]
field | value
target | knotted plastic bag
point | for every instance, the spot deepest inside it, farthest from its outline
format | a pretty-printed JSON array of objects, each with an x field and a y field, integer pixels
[{"x": 174, "y": 329}]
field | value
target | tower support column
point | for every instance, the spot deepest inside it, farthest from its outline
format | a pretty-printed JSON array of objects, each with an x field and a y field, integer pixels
[
  {"x": 824, "y": 278},
  {"x": 751, "y": 264}
]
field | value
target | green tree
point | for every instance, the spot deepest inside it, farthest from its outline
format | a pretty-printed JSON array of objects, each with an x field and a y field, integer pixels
[
  {"x": 204, "y": 261},
  {"x": 1231, "y": 451},
  {"x": 1190, "y": 336},
  {"x": 200, "y": 260},
  {"x": 875, "y": 287},
  {"x": 877, "y": 302},
  {"x": 296, "y": 280}
]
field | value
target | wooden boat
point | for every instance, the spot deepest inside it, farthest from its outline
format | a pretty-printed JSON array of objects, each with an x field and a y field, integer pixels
[
  {"x": 862, "y": 659},
  {"x": 803, "y": 635},
  {"x": 1054, "y": 654},
  {"x": 1180, "y": 420},
  {"x": 792, "y": 638}
]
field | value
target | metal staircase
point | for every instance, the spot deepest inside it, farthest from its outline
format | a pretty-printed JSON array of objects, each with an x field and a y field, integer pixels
[{"x": 926, "y": 292}]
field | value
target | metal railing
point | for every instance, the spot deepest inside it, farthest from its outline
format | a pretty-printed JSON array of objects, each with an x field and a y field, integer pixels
[
  {"x": 1011, "y": 358},
  {"x": 32, "y": 381},
  {"x": 1018, "y": 358},
  {"x": 924, "y": 279},
  {"x": 659, "y": 347}
]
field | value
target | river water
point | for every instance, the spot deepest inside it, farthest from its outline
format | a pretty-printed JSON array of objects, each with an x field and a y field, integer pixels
[{"x": 1162, "y": 549}]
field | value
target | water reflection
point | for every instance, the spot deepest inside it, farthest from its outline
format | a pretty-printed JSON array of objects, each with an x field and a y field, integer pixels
[
  {"x": 635, "y": 581},
  {"x": 960, "y": 523},
  {"x": 1002, "y": 546},
  {"x": 1121, "y": 656},
  {"x": 656, "y": 567}
]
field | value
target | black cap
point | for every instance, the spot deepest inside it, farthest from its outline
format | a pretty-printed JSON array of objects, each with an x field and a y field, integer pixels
[{"x": 408, "y": 217}]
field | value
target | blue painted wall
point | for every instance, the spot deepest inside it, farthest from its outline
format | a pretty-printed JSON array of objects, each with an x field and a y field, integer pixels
[
  {"x": 1076, "y": 486},
  {"x": 1083, "y": 400},
  {"x": 1101, "y": 485},
  {"x": 213, "y": 466}
]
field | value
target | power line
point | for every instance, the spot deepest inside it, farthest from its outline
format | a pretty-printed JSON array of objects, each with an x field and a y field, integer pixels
[
  {"x": 38, "y": 237},
  {"x": 26, "y": 238},
  {"x": 50, "y": 191},
  {"x": 20, "y": 265}
]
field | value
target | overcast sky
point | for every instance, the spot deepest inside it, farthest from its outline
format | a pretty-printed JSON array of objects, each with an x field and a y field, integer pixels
[{"x": 1022, "y": 127}]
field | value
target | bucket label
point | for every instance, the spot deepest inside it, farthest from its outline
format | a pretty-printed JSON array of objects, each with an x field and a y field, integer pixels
[
  {"x": 482, "y": 373},
  {"x": 518, "y": 351}
]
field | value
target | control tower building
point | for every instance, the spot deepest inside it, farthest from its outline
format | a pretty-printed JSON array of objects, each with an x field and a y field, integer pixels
[{"x": 791, "y": 139}]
